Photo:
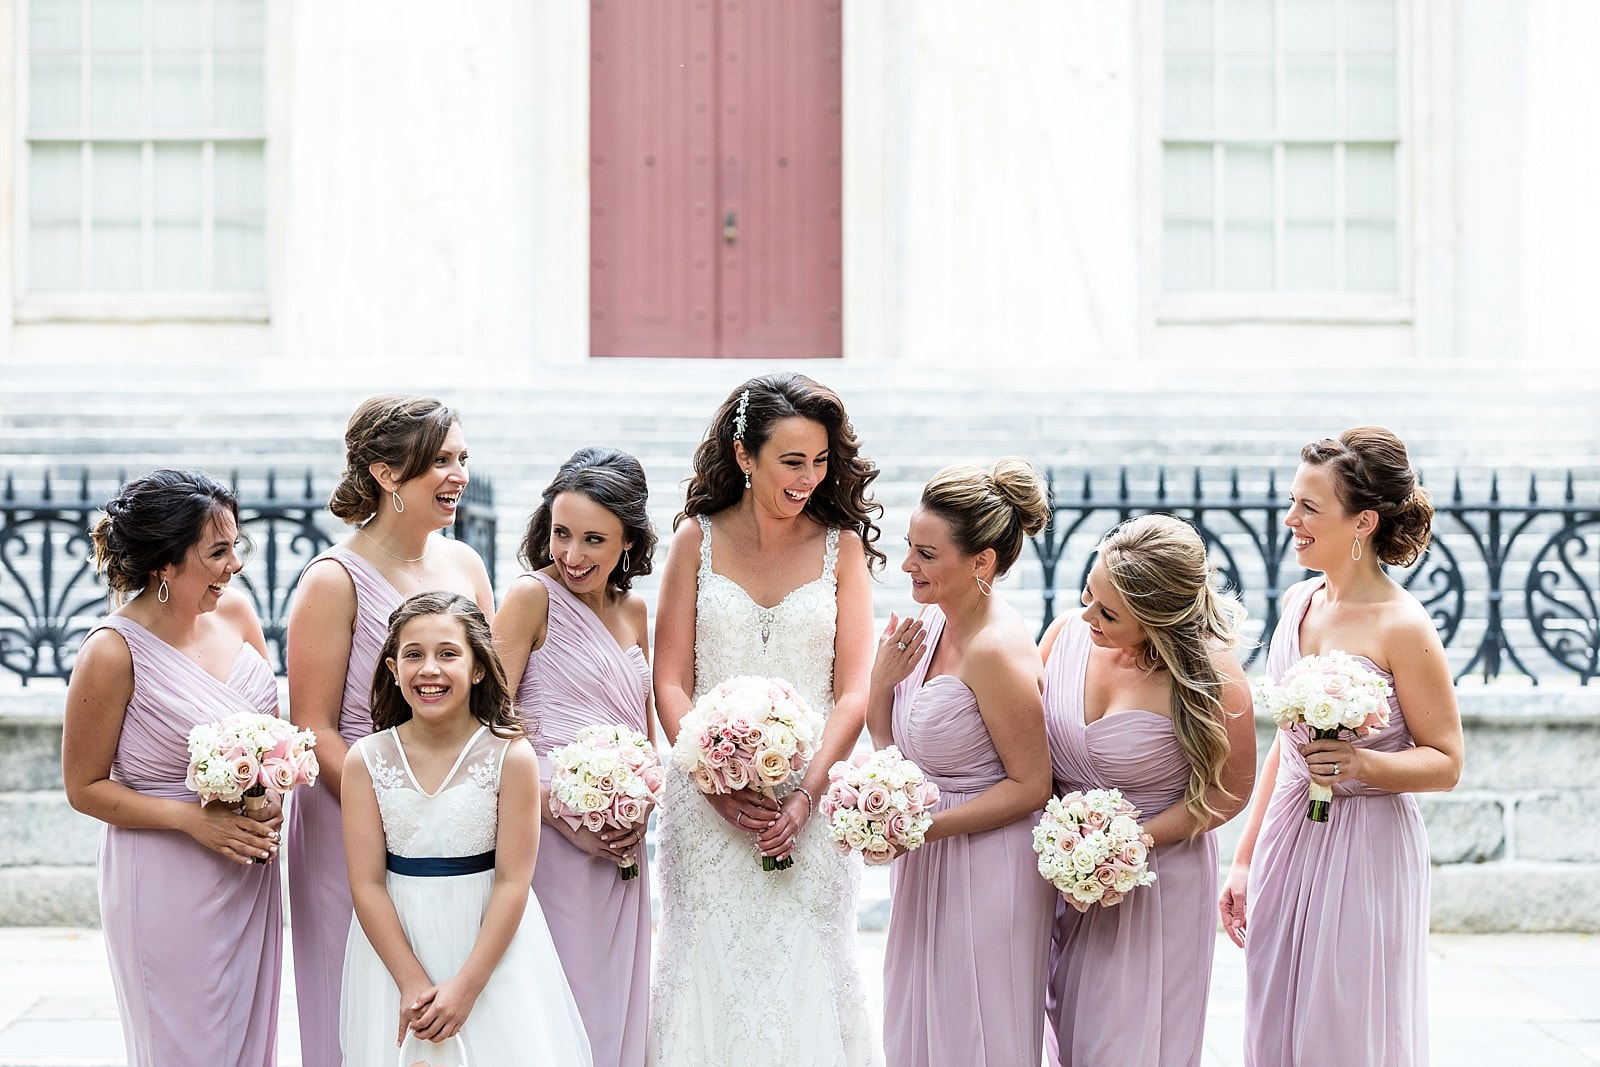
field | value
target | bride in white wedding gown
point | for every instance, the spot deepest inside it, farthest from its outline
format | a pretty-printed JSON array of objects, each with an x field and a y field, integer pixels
[{"x": 756, "y": 967}]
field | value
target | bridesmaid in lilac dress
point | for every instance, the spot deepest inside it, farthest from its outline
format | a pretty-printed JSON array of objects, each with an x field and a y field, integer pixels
[
  {"x": 1335, "y": 934},
  {"x": 189, "y": 892},
  {"x": 969, "y": 926},
  {"x": 583, "y": 635},
  {"x": 1143, "y": 694},
  {"x": 405, "y": 469}
]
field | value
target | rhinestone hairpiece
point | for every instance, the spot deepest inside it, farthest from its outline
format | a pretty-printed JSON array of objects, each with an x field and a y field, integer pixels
[{"x": 738, "y": 415}]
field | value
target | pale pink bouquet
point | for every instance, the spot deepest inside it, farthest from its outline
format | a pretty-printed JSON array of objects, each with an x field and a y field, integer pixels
[
  {"x": 608, "y": 776},
  {"x": 1331, "y": 693},
  {"x": 878, "y": 804},
  {"x": 748, "y": 733},
  {"x": 239, "y": 758},
  {"x": 1092, "y": 848}
]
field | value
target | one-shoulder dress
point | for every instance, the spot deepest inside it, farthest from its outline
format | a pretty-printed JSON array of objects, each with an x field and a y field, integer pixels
[
  {"x": 1337, "y": 937},
  {"x": 319, "y": 882},
  {"x": 195, "y": 939},
  {"x": 1129, "y": 983},
  {"x": 578, "y": 677},
  {"x": 969, "y": 920}
]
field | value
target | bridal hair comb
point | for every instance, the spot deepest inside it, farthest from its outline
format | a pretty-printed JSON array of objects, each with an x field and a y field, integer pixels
[{"x": 738, "y": 415}]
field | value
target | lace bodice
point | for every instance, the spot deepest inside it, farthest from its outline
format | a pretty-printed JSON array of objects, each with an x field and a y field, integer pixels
[
  {"x": 457, "y": 819},
  {"x": 792, "y": 640}
]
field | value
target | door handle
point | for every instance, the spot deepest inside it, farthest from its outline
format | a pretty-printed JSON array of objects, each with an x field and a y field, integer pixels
[{"x": 730, "y": 228}]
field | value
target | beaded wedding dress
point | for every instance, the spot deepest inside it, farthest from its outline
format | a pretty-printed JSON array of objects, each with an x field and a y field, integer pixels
[{"x": 752, "y": 966}]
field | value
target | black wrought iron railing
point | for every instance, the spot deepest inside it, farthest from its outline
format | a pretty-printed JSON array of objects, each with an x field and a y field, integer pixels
[
  {"x": 50, "y": 596},
  {"x": 1513, "y": 585}
]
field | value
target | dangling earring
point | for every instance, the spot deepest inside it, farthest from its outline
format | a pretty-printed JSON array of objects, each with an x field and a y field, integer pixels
[
  {"x": 747, "y": 479},
  {"x": 984, "y": 587},
  {"x": 394, "y": 497},
  {"x": 162, "y": 594},
  {"x": 1355, "y": 551},
  {"x": 624, "y": 561}
]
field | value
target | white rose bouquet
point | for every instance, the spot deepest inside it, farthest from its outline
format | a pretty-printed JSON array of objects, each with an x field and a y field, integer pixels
[
  {"x": 608, "y": 776},
  {"x": 238, "y": 759},
  {"x": 878, "y": 804},
  {"x": 1330, "y": 693},
  {"x": 748, "y": 733},
  {"x": 1091, "y": 848}
]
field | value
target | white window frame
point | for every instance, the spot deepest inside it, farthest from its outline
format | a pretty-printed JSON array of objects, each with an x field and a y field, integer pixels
[
  {"x": 1422, "y": 204},
  {"x": 91, "y": 306}
]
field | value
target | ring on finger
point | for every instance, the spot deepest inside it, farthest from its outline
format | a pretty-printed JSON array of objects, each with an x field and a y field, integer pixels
[
  {"x": 739, "y": 818},
  {"x": 1336, "y": 770},
  {"x": 901, "y": 645}
]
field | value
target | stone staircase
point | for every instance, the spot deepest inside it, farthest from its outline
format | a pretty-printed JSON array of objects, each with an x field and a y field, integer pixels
[{"x": 912, "y": 422}]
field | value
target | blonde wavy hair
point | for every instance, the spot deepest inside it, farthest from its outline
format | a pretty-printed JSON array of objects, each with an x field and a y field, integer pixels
[{"x": 1157, "y": 563}]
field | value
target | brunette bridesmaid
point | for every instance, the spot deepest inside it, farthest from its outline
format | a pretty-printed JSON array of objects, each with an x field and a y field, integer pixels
[
  {"x": 576, "y": 635},
  {"x": 405, "y": 470},
  {"x": 1143, "y": 694},
  {"x": 959, "y": 693},
  {"x": 1336, "y": 931},
  {"x": 189, "y": 892}
]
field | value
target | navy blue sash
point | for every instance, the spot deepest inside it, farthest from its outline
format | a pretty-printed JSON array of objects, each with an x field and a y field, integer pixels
[{"x": 439, "y": 866}]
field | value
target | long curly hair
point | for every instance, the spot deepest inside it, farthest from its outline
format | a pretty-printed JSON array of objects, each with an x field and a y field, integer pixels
[
  {"x": 1158, "y": 564},
  {"x": 613, "y": 479},
  {"x": 490, "y": 701},
  {"x": 842, "y": 499}
]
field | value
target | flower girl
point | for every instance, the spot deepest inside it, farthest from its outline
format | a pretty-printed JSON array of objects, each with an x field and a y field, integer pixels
[{"x": 451, "y": 959}]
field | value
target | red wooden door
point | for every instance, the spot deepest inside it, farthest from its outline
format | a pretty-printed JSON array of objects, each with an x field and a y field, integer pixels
[{"x": 715, "y": 178}]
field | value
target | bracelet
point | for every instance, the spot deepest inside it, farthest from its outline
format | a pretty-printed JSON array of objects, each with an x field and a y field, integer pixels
[{"x": 810, "y": 805}]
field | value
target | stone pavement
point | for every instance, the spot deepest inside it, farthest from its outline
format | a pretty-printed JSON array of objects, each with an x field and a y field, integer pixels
[{"x": 1502, "y": 999}]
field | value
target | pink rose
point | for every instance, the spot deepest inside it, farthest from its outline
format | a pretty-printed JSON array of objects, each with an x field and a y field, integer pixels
[
  {"x": 897, "y": 827},
  {"x": 653, "y": 777},
  {"x": 703, "y": 779},
  {"x": 736, "y": 775},
  {"x": 593, "y": 820},
  {"x": 717, "y": 757},
  {"x": 629, "y": 810},
  {"x": 306, "y": 768},
  {"x": 875, "y": 801},
  {"x": 1111, "y": 898},
  {"x": 927, "y": 796},
  {"x": 278, "y": 773},
  {"x": 846, "y": 797},
  {"x": 245, "y": 770},
  {"x": 1106, "y": 876}
]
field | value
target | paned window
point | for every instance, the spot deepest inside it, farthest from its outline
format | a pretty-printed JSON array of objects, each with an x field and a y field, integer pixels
[
  {"x": 145, "y": 147},
  {"x": 1281, "y": 146}
]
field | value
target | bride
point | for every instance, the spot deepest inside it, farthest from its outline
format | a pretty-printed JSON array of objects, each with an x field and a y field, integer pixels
[{"x": 758, "y": 967}]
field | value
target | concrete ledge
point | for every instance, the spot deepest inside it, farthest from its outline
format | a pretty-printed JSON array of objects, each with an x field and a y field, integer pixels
[
  {"x": 49, "y": 896},
  {"x": 1464, "y": 829},
  {"x": 42, "y": 828},
  {"x": 1519, "y": 896}
]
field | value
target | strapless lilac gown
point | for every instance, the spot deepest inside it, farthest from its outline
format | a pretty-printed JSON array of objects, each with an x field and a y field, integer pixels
[
  {"x": 580, "y": 676},
  {"x": 195, "y": 939},
  {"x": 969, "y": 926},
  {"x": 319, "y": 882},
  {"x": 1128, "y": 984},
  {"x": 1337, "y": 939}
]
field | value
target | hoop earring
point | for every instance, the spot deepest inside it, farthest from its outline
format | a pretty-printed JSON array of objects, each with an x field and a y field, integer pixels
[
  {"x": 394, "y": 497},
  {"x": 747, "y": 479},
  {"x": 984, "y": 587},
  {"x": 162, "y": 593},
  {"x": 624, "y": 561},
  {"x": 1355, "y": 551}
]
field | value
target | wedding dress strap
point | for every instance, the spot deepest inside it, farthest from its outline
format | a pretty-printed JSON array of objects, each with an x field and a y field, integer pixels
[
  {"x": 830, "y": 556},
  {"x": 705, "y": 544}
]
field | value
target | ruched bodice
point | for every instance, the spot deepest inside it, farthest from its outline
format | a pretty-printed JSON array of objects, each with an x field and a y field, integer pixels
[
  {"x": 579, "y": 676},
  {"x": 376, "y": 599},
  {"x": 1134, "y": 751},
  {"x": 1285, "y": 653},
  {"x": 938, "y": 727}
]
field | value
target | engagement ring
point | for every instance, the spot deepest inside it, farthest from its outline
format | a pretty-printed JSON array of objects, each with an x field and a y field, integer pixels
[
  {"x": 901, "y": 645},
  {"x": 1336, "y": 770}
]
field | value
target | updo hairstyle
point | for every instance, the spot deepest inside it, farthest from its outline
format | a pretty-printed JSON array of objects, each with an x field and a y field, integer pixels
[
  {"x": 994, "y": 508},
  {"x": 1158, "y": 565},
  {"x": 490, "y": 701},
  {"x": 841, "y": 499},
  {"x": 403, "y": 431},
  {"x": 613, "y": 479},
  {"x": 1372, "y": 473},
  {"x": 152, "y": 523}
]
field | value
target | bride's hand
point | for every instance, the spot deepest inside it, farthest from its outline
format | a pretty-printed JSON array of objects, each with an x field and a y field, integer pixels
[
  {"x": 899, "y": 649},
  {"x": 779, "y": 839},
  {"x": 745, "y": 809}
]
